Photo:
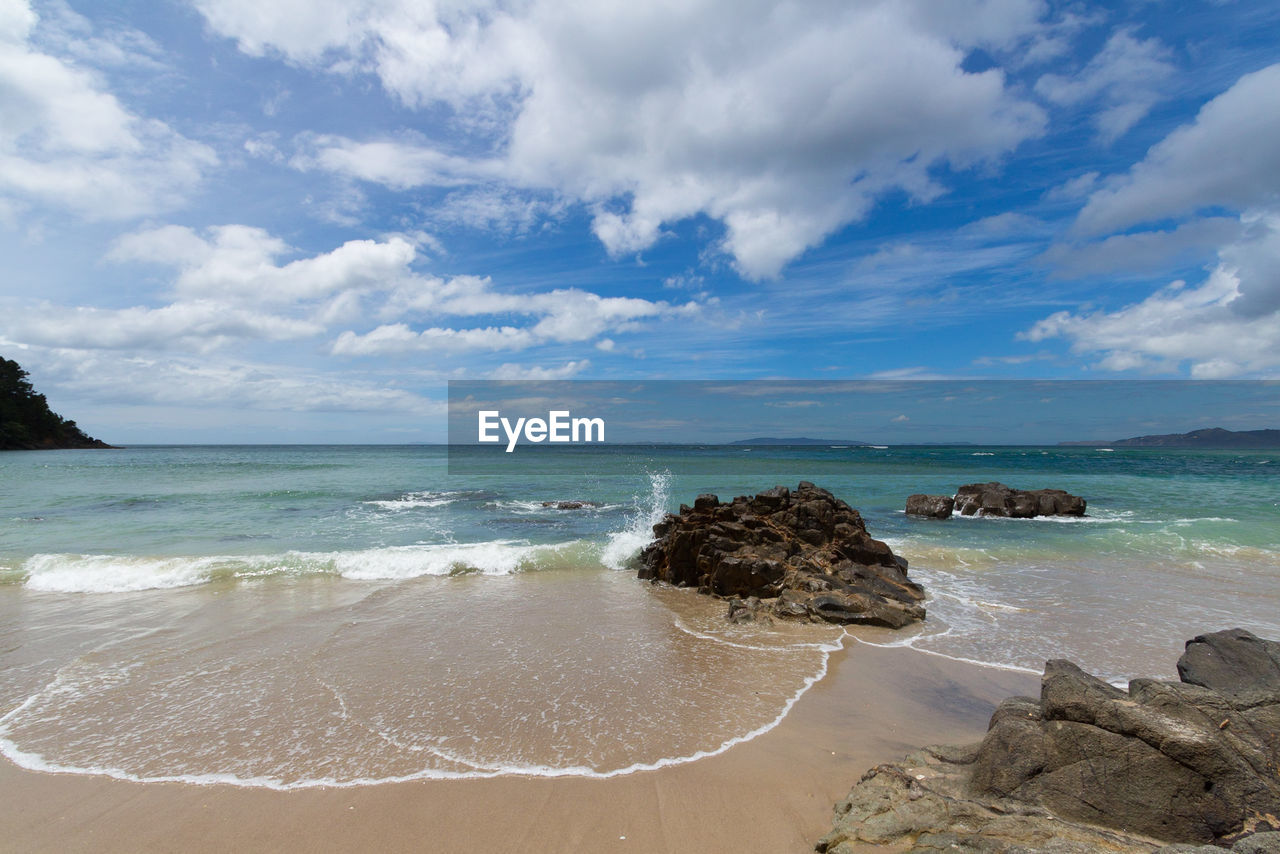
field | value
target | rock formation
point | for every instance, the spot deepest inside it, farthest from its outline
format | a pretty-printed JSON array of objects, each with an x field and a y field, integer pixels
[
  {"x": 996, "y": 499},
  {"x": 801, "y": 554},
  {"x": 932, "y": 506},
  {"x": 1090, "y": 767}
]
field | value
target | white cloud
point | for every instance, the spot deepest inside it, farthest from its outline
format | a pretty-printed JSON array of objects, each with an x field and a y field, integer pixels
[
  {"x": 67, "y": 141},
  {"x": 232, "y": 284},
  {"x": 784, "y": 123},
  {"x": 118, "y": 378},
  {"x": 395, "y": 164},
  {"x": 1226, "y": 157},
  {"x": 512, "y": 371},
  {"x": 1227, "y": 326},
  {"x": 194, "y": 326},
  {"x": 560, "y": 316},
  {"x": 1125, "y": 80}
]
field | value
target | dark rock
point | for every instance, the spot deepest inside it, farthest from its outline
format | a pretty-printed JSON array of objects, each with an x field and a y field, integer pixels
[
  {"x": 1176, "y": 762},
  {"x": 1235, "y": 662},
  {"x": 996, "y": 499},
  {"x": 931, "y": 506},
  {"x": 804, "y": 551}
]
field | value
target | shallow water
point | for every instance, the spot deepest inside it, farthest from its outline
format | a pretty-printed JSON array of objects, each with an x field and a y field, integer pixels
[{"x": 286, "y": 616}]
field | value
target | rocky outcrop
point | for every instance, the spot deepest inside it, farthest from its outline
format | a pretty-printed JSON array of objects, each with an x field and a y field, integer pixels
[
  {"x": 570, "y": 505},
  {"x": 1090, "y": 767},
  {"x": 798, "y": 554},
  {"x": 996, "y": 499},
  {"x": 931, "y": 506}
]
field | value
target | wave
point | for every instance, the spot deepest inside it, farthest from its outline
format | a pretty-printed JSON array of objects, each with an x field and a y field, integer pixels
[
  {"x": 410, "y": 500},
  {"x": 90, "y": 573}
]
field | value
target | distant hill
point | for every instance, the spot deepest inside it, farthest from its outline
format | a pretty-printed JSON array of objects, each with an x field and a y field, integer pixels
[
  {"x": 795, "y": 440},
  {"x": 27, "y": 423},
  {"x": 1209, "y": 439}
]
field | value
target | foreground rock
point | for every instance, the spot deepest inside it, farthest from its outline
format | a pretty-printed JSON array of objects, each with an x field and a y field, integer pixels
[
  {"x": 1089, "y": 767},
  {"x": 801, "y": 554},
  {"x": 996, "y": 499}
]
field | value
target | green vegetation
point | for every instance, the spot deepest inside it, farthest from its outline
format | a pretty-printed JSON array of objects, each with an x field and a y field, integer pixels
[{"x": 27, "y": 423}]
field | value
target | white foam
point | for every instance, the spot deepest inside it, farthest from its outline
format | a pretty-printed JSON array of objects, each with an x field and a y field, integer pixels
[
  {"x": 498, "y": 557},
  {"x": 70, "y": 573},
  {"x": 411, "y": 500},
  {"x": 624, "y": 545}
]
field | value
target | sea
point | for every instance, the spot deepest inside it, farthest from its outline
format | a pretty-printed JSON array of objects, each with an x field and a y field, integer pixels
[{"x": 297, "y": 616}]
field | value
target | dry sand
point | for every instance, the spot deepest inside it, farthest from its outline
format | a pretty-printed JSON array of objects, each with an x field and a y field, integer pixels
[{"x": 773, "y": 794}]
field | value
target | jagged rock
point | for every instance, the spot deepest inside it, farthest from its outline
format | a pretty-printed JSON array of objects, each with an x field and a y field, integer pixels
[
  {"x": 802, "y": 554},
  {"x": 996, "y": 499},
  {"x": 1163, "y": 762},
  {"x": 931, "y": 506}
]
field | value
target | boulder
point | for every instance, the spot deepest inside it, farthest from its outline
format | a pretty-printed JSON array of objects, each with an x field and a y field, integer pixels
[
  {"x": 996, "y": 499},
  {"x": 1235, "y": 662},
  {"x": 791, "y": 554},
  {"x": 930, "y": 506},
  {"x": 1162, "y": 762}
]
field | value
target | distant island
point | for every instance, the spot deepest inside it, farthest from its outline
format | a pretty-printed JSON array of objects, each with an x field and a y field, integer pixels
[
  {"x": 27, "y": 423},
  {"x": 798, "y": 440},
  {"x": 1209, "y": 439}
]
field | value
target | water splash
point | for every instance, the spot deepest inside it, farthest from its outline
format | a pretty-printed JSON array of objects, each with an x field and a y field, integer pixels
[{"x": 622, "y": 546}]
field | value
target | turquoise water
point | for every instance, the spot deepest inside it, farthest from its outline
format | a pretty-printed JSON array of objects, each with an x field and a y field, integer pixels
[{"x": 155, "y": 590}]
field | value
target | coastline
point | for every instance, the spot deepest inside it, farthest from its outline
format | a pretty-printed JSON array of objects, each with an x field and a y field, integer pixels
[{"x": 773, "y": 793}]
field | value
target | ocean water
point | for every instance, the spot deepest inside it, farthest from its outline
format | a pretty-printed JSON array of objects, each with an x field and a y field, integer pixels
[{"x": 299, "y": 616}]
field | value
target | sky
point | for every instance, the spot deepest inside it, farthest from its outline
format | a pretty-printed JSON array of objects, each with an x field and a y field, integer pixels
[{"x": 237, "y": 221}]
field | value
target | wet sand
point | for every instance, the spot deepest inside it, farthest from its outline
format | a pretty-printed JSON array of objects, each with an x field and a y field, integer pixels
[{"x": 773, "y": 794}]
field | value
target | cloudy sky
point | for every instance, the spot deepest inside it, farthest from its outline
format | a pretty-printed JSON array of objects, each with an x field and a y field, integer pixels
[{"x": 231, "y": 220}]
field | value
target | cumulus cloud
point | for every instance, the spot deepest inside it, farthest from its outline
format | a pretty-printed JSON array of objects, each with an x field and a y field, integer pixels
[
  {"x": 1228, "y": 325},
  {"x": 785, "y": 124},
  {"x": 560, "y": 316},
  {"x": 233, "y": 283},
  {"x": 65, "y": 140},
  {"x": 1124, "y": 81},
  {"x": 1227, "y": 157}
]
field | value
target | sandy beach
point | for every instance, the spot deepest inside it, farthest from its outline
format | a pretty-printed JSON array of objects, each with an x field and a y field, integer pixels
[{"x": 772, "y": 794}]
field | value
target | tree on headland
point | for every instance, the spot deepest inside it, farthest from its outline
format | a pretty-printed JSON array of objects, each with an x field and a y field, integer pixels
[{"x": 27, "y": 423}]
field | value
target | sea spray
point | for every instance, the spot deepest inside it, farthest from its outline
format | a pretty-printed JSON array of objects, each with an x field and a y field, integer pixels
[{"x": 623, "y": 546}]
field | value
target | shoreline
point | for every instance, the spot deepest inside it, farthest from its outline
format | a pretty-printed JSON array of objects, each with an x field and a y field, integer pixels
[{"x": 772, "y": 793}]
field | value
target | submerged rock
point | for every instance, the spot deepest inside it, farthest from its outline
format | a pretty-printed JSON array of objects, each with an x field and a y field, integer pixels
[
  {"x": 801, "y": 554},
  {"x": 1090, "y": 767},
  {"x": 569, "y": 505}
]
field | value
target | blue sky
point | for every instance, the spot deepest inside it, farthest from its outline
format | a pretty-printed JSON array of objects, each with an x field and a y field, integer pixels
[{"x": 226, "y": 220}]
